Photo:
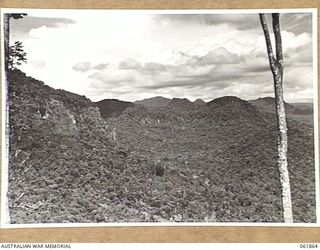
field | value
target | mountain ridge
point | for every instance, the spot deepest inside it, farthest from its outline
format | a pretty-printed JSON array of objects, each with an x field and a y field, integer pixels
[
  {"x": 157, "y": 101},
  {"x": 211, "y": 163},
  {"x": 267, "y": 104}
]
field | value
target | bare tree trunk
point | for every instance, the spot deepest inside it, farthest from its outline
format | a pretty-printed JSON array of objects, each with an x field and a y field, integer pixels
[
  {"x": 276, "y": 66},
  {"x": 6, "y": 33},
  {"x": 5, "y": 185}
]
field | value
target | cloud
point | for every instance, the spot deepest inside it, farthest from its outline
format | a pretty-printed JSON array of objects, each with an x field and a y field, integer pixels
[
  {"x": 113, "y": 77},
  {"x": 295, "y": 77},
  {"x": 251, "y": 68},
  {"x": 129, "y": 63},
  {"x": 151, "y": 68},
  {"x": 242, "y": 22},
  {"x": 101, "y": 66},
  {"x": 28, "y": 23},
  {"x": 297, "y": 23},
  {"x": 299, "y": 56},
  {"x": 82, "y": 66},
  {"x": 217, "y": 56},
  {"x": 86, "y": 66},
  {"x": 174, "y": 55},
  {"x": 220, "y": 70},
  {"x": 187, "y": 82},
  {"x": 300, "y": 50}
]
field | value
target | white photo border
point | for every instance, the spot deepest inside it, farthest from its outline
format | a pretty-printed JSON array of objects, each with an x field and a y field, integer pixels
[{"x": 5, "y": 141}]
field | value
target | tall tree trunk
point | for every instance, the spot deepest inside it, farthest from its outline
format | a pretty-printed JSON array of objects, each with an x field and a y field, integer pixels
[
  {"x": 6, "y": 33},
  {"x": 276, "y": 66}
]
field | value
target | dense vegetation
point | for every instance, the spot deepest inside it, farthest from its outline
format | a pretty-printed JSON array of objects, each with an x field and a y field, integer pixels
[{"x": 182, "y": 161}]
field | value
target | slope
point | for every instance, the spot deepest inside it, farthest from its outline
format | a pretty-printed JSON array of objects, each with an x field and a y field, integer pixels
[
  {"x": 217, "y": 161},
  {"x": 220, "y": 161}
]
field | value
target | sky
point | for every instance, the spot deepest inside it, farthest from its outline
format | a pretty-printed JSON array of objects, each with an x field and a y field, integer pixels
[{"x": 133, "y": 55}]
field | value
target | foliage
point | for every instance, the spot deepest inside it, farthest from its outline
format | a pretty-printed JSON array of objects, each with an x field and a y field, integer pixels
[
  {"x": 17, "y": 15},
  {"x": 217, "y": 162},
  {"x": 17, "y": 55},
  {"x": 6, "y": 30}
]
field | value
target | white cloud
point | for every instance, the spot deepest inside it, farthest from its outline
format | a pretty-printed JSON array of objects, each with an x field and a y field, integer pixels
[
  {"x": 123, "y": 55},
  {"x": 129, "y": 63},
  {"x": 82, "y": 66},
  {"x": 112, "y": 77},
  {"x": 101, "y": 66}
]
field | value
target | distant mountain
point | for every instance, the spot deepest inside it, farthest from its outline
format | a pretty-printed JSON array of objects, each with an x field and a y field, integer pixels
[
  {"x": 157, "y": 101},
  {"x": 112, "y": 107},
  {"x": 227, "y": 100},
  {"x": 234, "y": 109},
  {"x": 181, "y": 103},
  {"x": 199, "y": 102},
  {"x": 222, "y": 110},
  {"x": 306, "y": 108},
  {"x": 267, "y": 104},
  {"x": 229, "y": 144}
]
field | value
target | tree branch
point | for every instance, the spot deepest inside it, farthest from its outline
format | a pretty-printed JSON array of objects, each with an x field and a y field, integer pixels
[
  {"x": 264, "y": 25},
  {"x": 277, "y": 36}
]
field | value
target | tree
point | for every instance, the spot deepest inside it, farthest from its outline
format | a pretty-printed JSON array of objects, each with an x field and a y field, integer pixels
[
  {"x": 276, "y": 66},
  {"x": 16, "y": 55},
  {"x": 6, "y": 32}
]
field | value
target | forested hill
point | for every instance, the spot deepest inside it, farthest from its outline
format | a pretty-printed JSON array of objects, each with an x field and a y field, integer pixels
[
  {"x": 64, "y": 163},
  {"x": 177, "y": 161}
]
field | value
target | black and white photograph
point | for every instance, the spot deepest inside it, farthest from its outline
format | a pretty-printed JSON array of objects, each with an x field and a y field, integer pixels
[{"x": 159, "y": 117}]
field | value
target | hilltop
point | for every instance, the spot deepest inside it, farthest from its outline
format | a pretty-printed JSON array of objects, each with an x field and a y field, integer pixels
[
  {"x": 157, "y": 101},
  {"x": 112, "y": 107},
  {"x": 199, "y": 102}
]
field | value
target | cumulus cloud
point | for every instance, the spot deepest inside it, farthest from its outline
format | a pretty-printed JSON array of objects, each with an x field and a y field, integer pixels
[
  {"x": 114, "y": 77},
  {"x": 87, "y": 66},
  {"x": 82, "y": 66},
  {"x": 152, "y": 68},
  {"x": 129, "y": 63},
  {"x": 221, "y": 71},
  {"x": 174, "y": 55},
  {"x": 301, "y": 53},
  {"x": 101, "y": 66},
  {"x": 217, "y": 56}
]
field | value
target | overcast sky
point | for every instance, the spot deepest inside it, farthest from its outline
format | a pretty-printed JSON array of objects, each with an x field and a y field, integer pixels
[{"x": 135, "y": 55}]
